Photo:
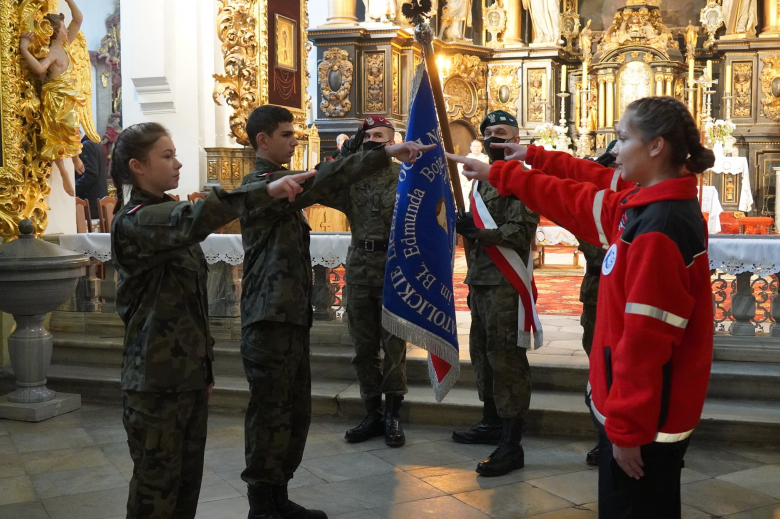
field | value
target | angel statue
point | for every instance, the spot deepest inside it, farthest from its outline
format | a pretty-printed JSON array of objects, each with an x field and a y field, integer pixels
[
  {"x": 379, "y": 10},
  {"x": 66, "y": 93}
]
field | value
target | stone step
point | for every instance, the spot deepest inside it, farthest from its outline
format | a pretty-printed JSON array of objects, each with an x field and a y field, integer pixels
[
  {"x": 333, "y": 362},
  {"x": 552, "y": 412}
]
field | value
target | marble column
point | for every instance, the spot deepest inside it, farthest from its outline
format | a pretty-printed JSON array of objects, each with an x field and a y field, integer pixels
[
  {"x": 610, "y": 102},
  {"x": 743, "y": 307},
  {"x": 341, "y": 12},
  {"x": 771, "y": 19},
  {"x": 513, "y": 35},
  {"x": 602, "y": 114}
]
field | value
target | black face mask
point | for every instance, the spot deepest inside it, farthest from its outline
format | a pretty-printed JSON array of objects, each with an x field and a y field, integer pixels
[
  {"x": 495, "y": 153},
  {"x": 372, "y": 145}
]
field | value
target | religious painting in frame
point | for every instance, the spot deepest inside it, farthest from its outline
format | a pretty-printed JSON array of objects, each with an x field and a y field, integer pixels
[{"x": 286, "y": 32}]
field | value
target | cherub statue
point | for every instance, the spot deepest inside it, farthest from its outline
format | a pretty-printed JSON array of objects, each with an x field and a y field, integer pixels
[{"x": 66, "y": 93}]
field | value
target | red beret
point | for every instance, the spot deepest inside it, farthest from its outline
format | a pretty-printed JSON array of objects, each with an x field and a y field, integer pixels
[{"x": 375, "y": 121}]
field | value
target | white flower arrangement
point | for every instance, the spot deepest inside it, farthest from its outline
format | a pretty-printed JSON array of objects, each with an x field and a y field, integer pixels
[{"x": 719, "y": 130}]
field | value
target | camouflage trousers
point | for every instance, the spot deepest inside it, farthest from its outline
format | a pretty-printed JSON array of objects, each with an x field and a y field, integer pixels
[
  {"x": 500, "y": 366},
  {"x": 588, "y": 322},
  {"x": 276, "y": 363},
  {"x": 376, "y": 376},
  {"x": 166, "y": 433}
]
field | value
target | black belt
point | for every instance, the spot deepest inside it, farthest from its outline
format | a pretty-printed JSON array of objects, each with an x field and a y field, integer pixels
[{"x": 371, "y": 245}]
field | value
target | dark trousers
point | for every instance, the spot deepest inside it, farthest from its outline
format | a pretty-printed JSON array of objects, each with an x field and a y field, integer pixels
[
  {"x": 656, "y": 495},
  {"x": 276, "y": 362},
  {"x": 376, "y": 376},
  {"x": 166, "y": 433}
]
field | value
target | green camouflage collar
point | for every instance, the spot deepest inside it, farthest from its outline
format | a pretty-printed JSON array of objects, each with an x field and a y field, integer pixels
[
  {"x": 266, "y": 166},
  {"x": 140, "y": 196}
]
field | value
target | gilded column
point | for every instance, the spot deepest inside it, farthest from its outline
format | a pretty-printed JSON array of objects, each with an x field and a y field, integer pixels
[
  {"x": 602, "y": 114},
  {"x": 771, "y": 19},
  {"x": 669, "y": 84},
  {"x": 659, "y": 84},
  {"x": 342, "y": 12},
  {"x": 610, "y": 95},
  {"x": 514, "y": 17}
]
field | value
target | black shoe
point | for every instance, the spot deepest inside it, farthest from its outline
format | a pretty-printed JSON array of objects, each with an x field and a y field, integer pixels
[
  {"x": 593, "y": 456},
  {"x": 509, "y": 455},
  {"x": 487, "y": 431},
  {"x": 289, "y": 510},
  {"x": 394, "y": 434},
  {"x": 261, "y": 502},
  {"x": 373, "y": 424}
]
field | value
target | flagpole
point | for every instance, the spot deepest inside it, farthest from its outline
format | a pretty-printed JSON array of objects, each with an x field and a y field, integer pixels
[{"x": 423, "y": 33}]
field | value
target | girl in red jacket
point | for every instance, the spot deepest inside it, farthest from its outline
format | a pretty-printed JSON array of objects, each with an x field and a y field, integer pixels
[{"x": 652, "y": 351}]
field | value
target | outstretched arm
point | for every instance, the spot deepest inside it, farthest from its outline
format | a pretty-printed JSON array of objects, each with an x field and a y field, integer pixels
[
  {"x": 75, "y": 23},
  {"x": 39, "y": 67}
]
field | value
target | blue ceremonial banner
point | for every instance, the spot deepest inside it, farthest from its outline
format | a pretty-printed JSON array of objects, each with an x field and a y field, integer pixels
[{"x": 418, "y": 304}]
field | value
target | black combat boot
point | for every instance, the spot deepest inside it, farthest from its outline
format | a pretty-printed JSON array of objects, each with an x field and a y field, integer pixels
[
  {"x": 394, "y": 434},
  {"x": 487, "y": 431},
  {"x": 289, "y": 510},
  {"x": 261, "y": 502},
  {"x": 372, "y": 425},
  {"x": 509, "y": 455},
  {"x": 593, "y": 456}
]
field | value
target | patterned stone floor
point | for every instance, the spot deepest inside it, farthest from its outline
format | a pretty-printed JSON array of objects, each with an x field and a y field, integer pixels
[{"x": 77, "y": 467}]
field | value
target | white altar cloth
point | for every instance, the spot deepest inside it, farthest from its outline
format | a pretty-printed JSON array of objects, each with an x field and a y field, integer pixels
[
  {"x": 550, "y": 235},
  {"x": 737, "y": 166},
  {"x": 328, "y": 249},
  {"x": 710, "y": 203},
  {"x": 738, "y": 253}
]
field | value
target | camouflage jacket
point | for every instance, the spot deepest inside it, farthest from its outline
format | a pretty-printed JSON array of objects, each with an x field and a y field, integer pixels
[
  {"x": 589, "y": 290},
  {"x": 277, "y": 265},
  {"x": 516, "y": 230},
  {"x": 161, "y": 284},
  {"x": 369, "y": 208}
]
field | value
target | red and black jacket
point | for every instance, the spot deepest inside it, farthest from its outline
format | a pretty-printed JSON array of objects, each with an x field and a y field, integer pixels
[{"x": 652, "y": 350}]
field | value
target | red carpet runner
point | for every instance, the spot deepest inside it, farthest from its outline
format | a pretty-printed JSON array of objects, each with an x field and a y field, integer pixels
[{"x": 558, "y": 294}]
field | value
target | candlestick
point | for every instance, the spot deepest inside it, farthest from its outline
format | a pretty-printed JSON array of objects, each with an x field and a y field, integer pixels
[
  {"x": 563, "y": 78},
  {"x": 691, "y": 75}
]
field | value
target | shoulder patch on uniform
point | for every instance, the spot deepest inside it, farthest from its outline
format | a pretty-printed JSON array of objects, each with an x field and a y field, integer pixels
[{"x": 134, "y": 209}]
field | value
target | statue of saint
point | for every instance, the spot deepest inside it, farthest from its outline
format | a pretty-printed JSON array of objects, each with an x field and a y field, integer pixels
[
  {"x": 741, "y": 17},
  {"x": 586, "y": 40},
  {"x": 66, "y": 93},
  {"x": 546, "y": 18},
  {"x": 380, "y": 10},
  {"x": 455, "y": 17},
  {"x": 691, "y": 35}
]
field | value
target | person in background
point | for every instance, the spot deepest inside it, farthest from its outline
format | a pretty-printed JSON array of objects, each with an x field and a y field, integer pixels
[
  {"x": 92, "y": 185},
  {"x": 652, "y": 351},
  {"x": 369, "y": 208}
]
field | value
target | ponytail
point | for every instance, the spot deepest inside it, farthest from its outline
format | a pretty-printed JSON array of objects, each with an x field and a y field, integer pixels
[
  {"x": 669, "y": 118},
  {"x": 135, "y": 142}
]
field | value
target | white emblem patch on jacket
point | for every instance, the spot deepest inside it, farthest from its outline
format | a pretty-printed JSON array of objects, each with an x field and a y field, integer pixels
[{"x": 609, "y": 260}]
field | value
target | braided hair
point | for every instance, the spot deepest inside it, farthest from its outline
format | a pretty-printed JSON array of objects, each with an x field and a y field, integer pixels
[
  {"x": 667, "y": 117},
  {"x": 135, "y": 142}
]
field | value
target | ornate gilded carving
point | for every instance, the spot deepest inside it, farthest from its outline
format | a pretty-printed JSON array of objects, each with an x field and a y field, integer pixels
[
  {"x": 375, "y": 81},
  {"x": 237, "y": 30},
  {"x": 743, "y": 86},
  {"x": 711, "y": 18},
  {"x": 770, "y": 86},
  {"x": 504, "y": 88},
  {"x": 396, "y": 83},
  {"x": 638, "y": 25},
  {"x": 495, "y": 23},
  {"x": 536, "y": 93},
  {"x": 570, "y": 24},
  {"x": 466, "y": 89},
  {"x": 679, "y": 90},
  {"x": 335, "y": 77},
  {"x": 635, "y": 80}
]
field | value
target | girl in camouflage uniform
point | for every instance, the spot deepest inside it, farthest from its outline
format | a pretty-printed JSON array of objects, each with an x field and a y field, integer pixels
[{"x": 161, "y": 297}]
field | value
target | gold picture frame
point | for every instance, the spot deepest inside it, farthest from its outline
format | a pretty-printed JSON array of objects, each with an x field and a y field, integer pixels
[{"x": 286, "y": 50}]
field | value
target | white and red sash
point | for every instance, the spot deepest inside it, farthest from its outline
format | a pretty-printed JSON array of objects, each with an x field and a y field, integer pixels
[{"x": 517, "y": 272}]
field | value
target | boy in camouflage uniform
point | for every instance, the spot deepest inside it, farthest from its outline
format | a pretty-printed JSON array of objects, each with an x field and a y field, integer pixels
[
  {"x": 276, "y": 312},
  {"x": 500, "y": 365},
  {"x": 369, "y": 209}
]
